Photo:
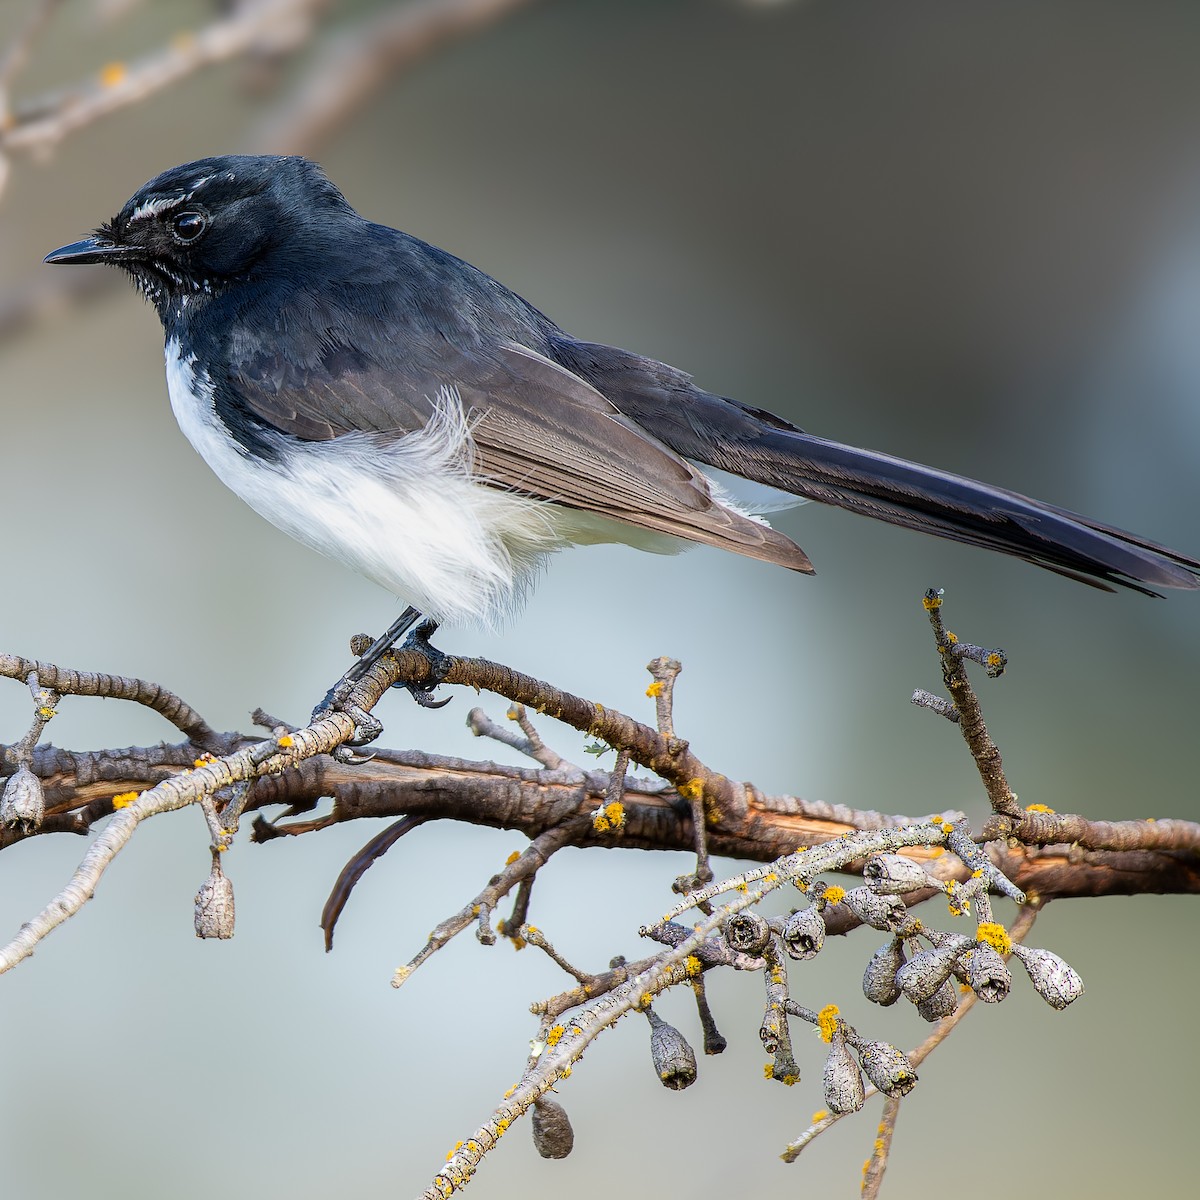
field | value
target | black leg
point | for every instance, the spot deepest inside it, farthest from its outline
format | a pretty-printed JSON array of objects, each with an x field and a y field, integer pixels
[
  {"x": 411, "y": 628},
  {"x": 439, "y": 665},
  {"x": 381, "y": 645}
]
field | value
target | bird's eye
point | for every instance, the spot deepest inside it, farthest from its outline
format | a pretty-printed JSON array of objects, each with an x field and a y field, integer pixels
[{"x": 188, "y": 226}]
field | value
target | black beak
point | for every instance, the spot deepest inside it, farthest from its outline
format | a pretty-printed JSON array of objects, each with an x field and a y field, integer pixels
[{"x": 91, "y": 250}]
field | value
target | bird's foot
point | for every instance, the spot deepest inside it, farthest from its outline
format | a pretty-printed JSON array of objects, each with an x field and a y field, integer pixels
[
  {"x": 366, "y": 726},
  {"x": 439, "y": 666}
]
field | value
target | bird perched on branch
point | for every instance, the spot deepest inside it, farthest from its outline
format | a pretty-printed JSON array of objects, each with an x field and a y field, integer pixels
[{"x": 397, "y": 409}]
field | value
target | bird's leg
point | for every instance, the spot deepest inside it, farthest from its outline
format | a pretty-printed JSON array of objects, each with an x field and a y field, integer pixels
[
  {"x": 439, "y": 665},
  {"x": 368, "y": 727},
  {"x": 381, "y": 645},
  {"x": 337, "y": 699}
]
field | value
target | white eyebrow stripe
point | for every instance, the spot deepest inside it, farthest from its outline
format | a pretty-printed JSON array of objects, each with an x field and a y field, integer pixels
[{"x": 153, "y": 207}]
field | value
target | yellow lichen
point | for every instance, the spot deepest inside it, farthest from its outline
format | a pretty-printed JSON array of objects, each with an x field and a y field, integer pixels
[
  {"x": 993, "y": 934},
  {"x": 112, "y": 74},
  {"x": 820, "y": 1115},
  {"x": 45, "y": 712},
  {"x": 555, "y": 1035},
  {"x": 827, "y": 1021},
  {"x": 512, "y": 858},
  {"x": 285, "y": 743},
  {"x": 655, "y": 689},
  {"x": 930, "y": 602},
  {"x": 834, "y": 894},
  {"x": 693, "y": 966},
  {"x": 692, "y": 790},
  {"x": 125, "y": 799},
  {"x": 1038, "y": 808}
]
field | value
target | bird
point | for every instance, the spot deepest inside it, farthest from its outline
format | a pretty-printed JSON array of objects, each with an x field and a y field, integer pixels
[{"x": 399, "y": 410}]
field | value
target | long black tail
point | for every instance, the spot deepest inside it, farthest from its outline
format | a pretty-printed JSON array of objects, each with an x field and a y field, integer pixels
[
  {"x": 964, "y": 510},
  {"x": 760, "y": 446}
]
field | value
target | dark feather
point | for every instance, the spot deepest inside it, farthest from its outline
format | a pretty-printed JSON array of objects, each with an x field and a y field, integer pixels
[
  {"x": 760, "y": 446},
  {"x": 536, "y": 429}
]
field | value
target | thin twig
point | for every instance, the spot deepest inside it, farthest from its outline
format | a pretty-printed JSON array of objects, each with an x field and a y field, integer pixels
[
  {"x": 117, "y": 687},
  {"x": 19, "y": 50},
  {"x": 984, "y": 751},
  {"x": 523, "y": 866},
  {"x": 44, "y": 121},
  {"x": 355, "y": 63}
]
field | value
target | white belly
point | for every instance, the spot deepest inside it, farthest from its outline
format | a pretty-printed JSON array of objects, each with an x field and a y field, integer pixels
[{"x": 404, "y": 513}]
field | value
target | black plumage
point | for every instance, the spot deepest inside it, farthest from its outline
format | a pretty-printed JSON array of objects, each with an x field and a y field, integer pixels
[{"x": 312, "y": 324}]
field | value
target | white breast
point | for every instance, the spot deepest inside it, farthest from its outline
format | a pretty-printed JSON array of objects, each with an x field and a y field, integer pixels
[{"x": 404, "y": 512}]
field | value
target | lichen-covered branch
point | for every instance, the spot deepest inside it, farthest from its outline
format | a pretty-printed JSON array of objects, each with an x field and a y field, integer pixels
[{"x": 1029, "y": 857}]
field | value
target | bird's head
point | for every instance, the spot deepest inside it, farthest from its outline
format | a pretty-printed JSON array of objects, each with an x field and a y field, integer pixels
[{"x": 197, "y": 228}]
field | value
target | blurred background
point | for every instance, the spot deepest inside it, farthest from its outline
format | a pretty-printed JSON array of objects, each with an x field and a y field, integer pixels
[{"x": 966, "y": 234}]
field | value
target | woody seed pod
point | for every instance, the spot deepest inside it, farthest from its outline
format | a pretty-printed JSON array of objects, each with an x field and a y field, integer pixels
[
  {"x": 1056, "y": 981},
  {"x": 988, "y": 975},
  {"x": 941, "y": 1004},
  {"x": 880, "y": 912},
  {"x": 214, "y": 905},
  {"x": 924, "y": 973},
  {"x": 879, "y": 979},
  {"x": 674, "y": 1060},
  {"x": 23, "y": 805},
  {"x": 841, "y": 1079},
  {"x": 894, "y": 875},
  {"x": 553, "y": 1136},
  {"x": 804, "y": 933},
  {"x": 888, "y": 1068},
  {"x": 747, "y": 933}
]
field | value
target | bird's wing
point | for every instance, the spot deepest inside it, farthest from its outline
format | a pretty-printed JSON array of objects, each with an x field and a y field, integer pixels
[
  {"x": 760, "y": 446},
  {"x": 536, "y": 428}
]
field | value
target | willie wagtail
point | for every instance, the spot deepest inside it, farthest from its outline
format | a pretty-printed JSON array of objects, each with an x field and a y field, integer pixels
[{"x": 397, "y": 409}]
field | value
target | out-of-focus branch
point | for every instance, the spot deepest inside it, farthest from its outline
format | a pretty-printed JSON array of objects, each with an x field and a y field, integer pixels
[
  {"x": 39, "y": 124},
  {"x": 19, "y": 49},
  {"x": 349, "y": 68},
  {"x": 353, "y": 64}
]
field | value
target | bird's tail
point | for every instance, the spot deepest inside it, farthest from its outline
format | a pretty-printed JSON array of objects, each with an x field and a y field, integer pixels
[
  {"x": 760, "y": 446},
  {"x": 961, "y": 509}
]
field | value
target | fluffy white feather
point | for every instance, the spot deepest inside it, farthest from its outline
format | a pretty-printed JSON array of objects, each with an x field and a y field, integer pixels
[{"x": 404, "y": 513}]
